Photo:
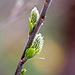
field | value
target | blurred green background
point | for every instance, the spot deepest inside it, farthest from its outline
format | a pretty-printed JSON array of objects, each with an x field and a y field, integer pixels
[{"x": 14, "y": 28}]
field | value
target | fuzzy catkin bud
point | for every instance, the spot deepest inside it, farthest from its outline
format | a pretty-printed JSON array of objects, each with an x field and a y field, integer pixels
[
  {"x": 35, "y": 47},
  {"x": 33, "y": 19},
  {"x": 38, "y": 42},
  {"x": 34, "y": 15}
]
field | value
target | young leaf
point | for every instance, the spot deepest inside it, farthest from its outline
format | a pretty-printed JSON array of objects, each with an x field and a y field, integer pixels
[
  {"x": 29, "y": 53},
  {"x": 31, "y": 27},
  {"x": 37, "y": 51},
  {"x": 23, "y": 71},
  {"x": 37, "y": 58},
  {"x": 29, "y": 20}
]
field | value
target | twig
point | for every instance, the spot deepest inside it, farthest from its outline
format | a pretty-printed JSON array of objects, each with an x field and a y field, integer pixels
[{"x": 35, "y": 31}]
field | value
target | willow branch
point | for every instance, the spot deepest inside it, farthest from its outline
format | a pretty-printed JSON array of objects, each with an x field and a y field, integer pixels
[{"x": 32, "y": 36}]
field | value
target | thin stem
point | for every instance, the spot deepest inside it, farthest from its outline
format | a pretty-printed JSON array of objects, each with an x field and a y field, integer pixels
[{"x": 35, "y": 31}]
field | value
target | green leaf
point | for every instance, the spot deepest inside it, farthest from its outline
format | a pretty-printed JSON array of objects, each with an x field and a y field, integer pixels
[
  {"x": 23, "y": 71},
  {"x": 29, "y": 20},
  {"x": 37, "y": 58},
  {"x": 30, "y": 52},
  {"x": 34, "y": 25},
  {"x": 31, "y": 27},
  {"x": 37, "y": 51}
]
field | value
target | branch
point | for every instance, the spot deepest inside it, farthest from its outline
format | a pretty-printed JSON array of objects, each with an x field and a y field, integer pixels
[{"x": 32, "y": 36}]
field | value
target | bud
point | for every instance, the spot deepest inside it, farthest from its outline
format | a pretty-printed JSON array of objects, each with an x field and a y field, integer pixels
[
  {"x": 34, "y": 15},
  {"x": 35, "y": 47},
  {"x": 33, "y": 19},
  {"x": 38, "y": 43}
]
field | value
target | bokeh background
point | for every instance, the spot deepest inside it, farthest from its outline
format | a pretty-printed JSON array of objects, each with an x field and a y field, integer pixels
[{"x": 58, "y": 31}]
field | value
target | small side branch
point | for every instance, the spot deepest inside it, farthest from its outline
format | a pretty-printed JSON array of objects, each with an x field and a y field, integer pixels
[{"x": 35, "y": 31}]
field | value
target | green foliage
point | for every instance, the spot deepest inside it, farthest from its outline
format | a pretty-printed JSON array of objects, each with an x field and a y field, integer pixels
[
  {"x": 29, "y": 53},
  {"x": 23, "y": 71},
  {"x": 31, "y": 25},
  {"x": 37, "y": 51}
]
